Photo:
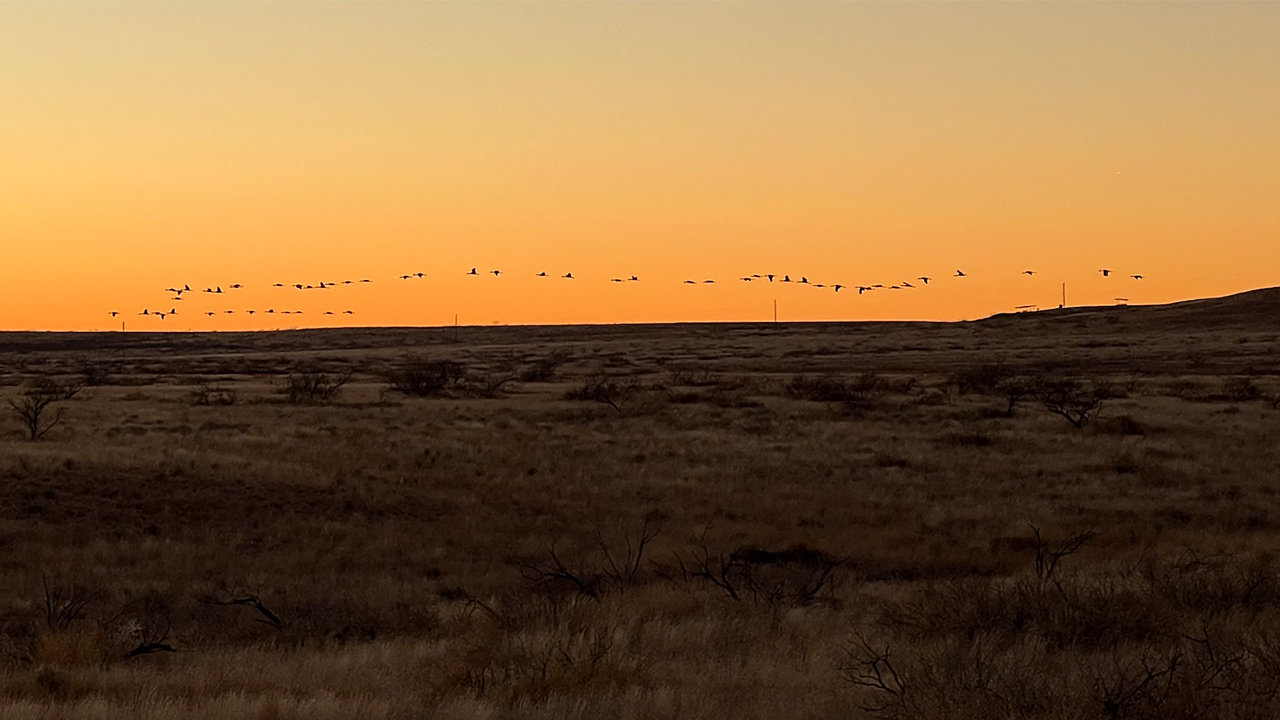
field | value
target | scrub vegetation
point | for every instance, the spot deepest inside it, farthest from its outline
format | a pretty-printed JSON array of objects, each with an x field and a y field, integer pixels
[{"x": 1062, "y": 515}]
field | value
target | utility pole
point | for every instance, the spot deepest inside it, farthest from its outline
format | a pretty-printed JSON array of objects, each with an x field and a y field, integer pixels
[
  {"x": 775, "y": 310},
  {"x": 1064, "y": 295},
  {"x": 455, "y": 327}
]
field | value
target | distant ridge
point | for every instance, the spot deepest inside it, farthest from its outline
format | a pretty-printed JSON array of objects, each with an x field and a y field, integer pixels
[{"x": 1251, "y": 310}]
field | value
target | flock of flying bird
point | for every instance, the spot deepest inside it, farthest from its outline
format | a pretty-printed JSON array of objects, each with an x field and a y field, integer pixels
[{"x": 804, "y": 280}]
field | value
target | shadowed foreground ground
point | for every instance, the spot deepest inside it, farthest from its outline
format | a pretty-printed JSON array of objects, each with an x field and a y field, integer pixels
[{"x": 759, "y": 521}]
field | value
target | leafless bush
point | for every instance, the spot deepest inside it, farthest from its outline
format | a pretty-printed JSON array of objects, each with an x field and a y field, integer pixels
[
  {"x": 1015, "y": 389},
  {"x": 31, "y": 408},
  {"x": 265, "y": 616},
  {"x": 602, "y": 387},
  {"x": 313, "y": 387},
  {"x": 544, "y": 369},
  {"x": 487, "y": 385},
  {"x": 795, "y": 577},
  {"x": 607, "y": 566},
  {"x": 62, "y": 606},
  {"x": 981, "y": 380},
  {"x": 1076, "y": 400},
  {"x": 421, "y": 377},
  {"x": 1048, "y": 558},
  {"x": 857, "y": 393}
]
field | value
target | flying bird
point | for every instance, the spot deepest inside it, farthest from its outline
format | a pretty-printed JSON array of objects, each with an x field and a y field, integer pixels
[
  {"x": 615, "y": 280},
  {"x": 770, "y": 277},
  {"x": 113, "y": 313},
  {"x": 541, "y": 274},
  {"x": 567, "y": 276},
  {"x": 690, "y": 282},
  {"x": 250, "y": 311},
  {"x": 1105, "y": 273},
  {"x": 633, "y": 278},
  {"x": 1028, "y": 272},
  {"x": 924, "y": 280},
  {"x": 237, "y": 286},
  {"x": 348, "y": 312},
  {"x": 804, "y": 280},
  {"x": 211, "y": 313},
  {"x": 418, "y": 275},
  {"x": 496, "y": 273},
  {"x": 278, "y": 285},
  {"x": 1136, "y": 277},
  {"x": 960, "y": 273},
  {"x": 837, "y": 287},
  {"x": 708, "y": 282},
  {"x": 403, "y": 277},
  {"x": 144, "y": 312},
  {"x": 473, "y": 272},
  {"x": 907, "y": 285},
  {"x": 366, "y": 281},
  {"x": 786, "y": 278}
]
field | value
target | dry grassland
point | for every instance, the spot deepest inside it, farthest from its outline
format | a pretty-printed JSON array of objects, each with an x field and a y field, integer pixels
[{"x": 755, "y": 521}]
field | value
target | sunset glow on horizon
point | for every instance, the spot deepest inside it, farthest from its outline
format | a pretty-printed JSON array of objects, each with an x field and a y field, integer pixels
[{"x": 152, "y": 145}]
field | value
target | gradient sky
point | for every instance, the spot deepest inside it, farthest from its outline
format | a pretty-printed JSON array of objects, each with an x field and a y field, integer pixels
[{"x": 144, "y": 145}]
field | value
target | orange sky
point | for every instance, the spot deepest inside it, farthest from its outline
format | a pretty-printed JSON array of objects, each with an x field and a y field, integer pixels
[{"x": 151, "y": 144}]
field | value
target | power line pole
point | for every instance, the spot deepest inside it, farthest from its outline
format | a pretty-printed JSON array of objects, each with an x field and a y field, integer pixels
[
  {"x": 775, "y": 310},
  {"x": 1064, "y": 295}
]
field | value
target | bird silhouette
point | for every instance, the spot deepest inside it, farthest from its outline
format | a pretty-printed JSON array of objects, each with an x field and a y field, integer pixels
[
  {"x": 406, "y": 277},
  {"x": 144, "y": 312},
  {"x": 173, "y": 311},
  {"x": 770, "y": 277},
  {"x": 348, "y": 312},
  {"x": 186, "y": 288},
  {"x": 745, "y": 279},
  {"x": 819, "y": 285},
  {"x": 211, "y": 313},
  {"x": 862, "y": 289},
  {"x": 160, "y": 315},
  {"x": 618, "y": 280},
  {"x": 418, "y": 275},
  {"x": 1136, "y": 277},
  {"x": 237, "y": 286},
  {"x": 837, "y": 287},
  {"x": 278, "y": 285},
  {"x": 633, "y": 278},
  {"x": 1105, "y": 273},
  {"x": 786, "y": 278},
  {"x": 1028, "y": 272},
  {"x": 323, "y": 286},
  {"x": 328, "y": 312},
  {"x": 272, "y": 311},
  {"x": 690, "y": 282},
  {"x": 208, "y": 290},
  {"x": 113, "y": 313},
  {"x": 473, "y": 272},
  {"x": 218, "y": 291},
  {"x": 541, "y": 274},
  {"x": 346, "y": 282},
  {"x": 496, "y": 273},
  {"x": 804, "y": 280},
  {"x": 567, "y": 276},
  {"x": 960, "y": 273},
  {"x": 708, "y": 282},
  {"x": 924, "y": 280},
  {"x": 250, "y": 311},
  {"x": 907, "y": 285},
  {"x": 366, "y": 280}
]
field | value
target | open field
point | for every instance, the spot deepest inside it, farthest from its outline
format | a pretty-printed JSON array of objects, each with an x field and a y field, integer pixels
[{"x": 708, "y": 521}]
